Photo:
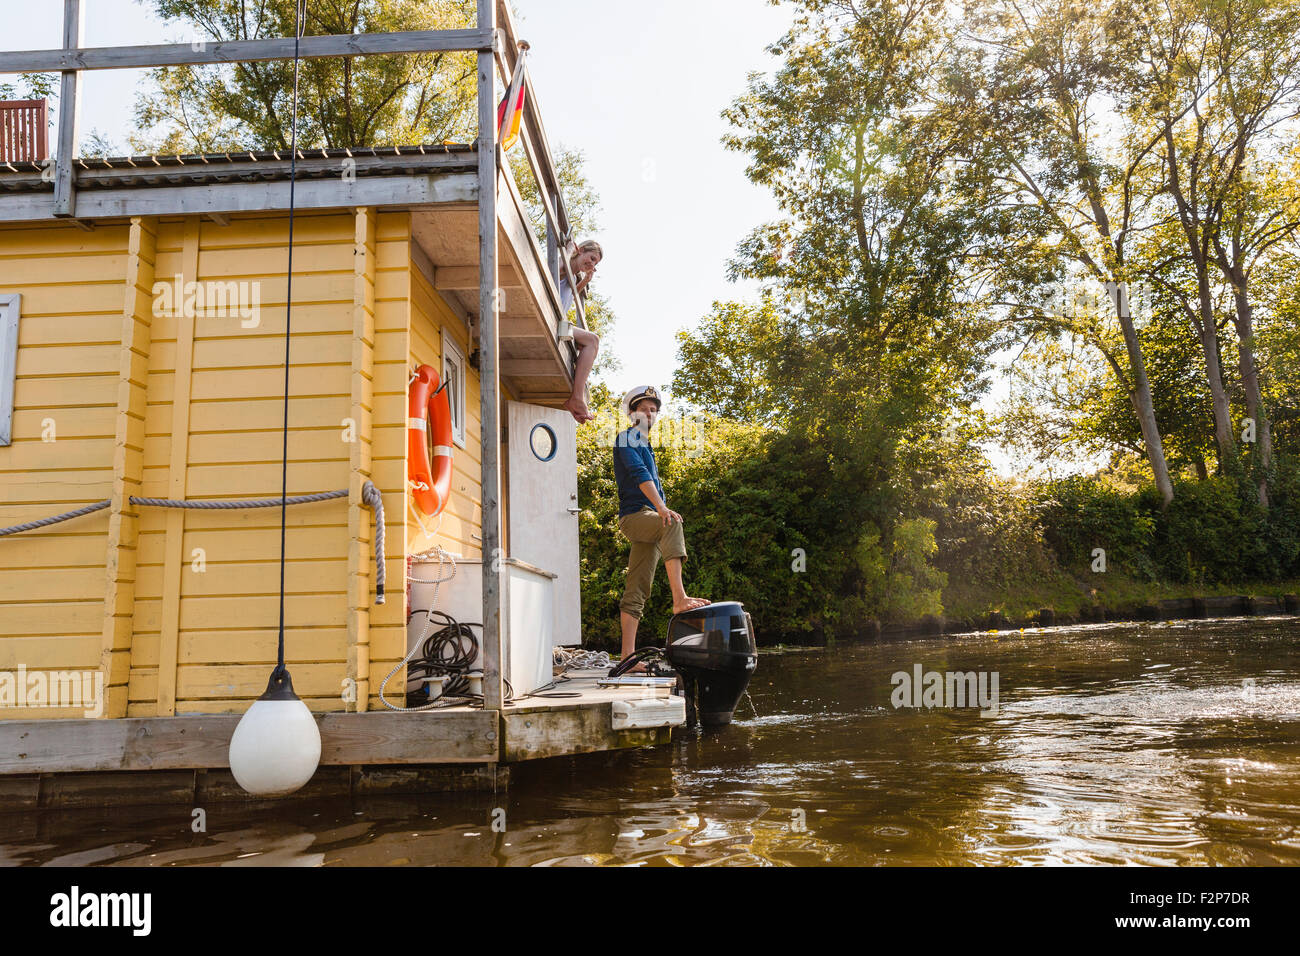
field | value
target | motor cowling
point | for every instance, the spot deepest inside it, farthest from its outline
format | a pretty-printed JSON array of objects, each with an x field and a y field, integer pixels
[{"x": 714, "y": 651}]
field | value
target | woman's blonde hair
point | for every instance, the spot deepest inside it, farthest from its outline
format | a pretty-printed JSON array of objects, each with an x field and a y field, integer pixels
[{"x": 591, "y": 245}]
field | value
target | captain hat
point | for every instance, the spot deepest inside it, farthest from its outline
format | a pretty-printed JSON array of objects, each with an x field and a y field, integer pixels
[{"x": 638, "y": 393}]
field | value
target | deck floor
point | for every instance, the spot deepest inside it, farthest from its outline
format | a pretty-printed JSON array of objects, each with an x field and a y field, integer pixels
[{"x": 528, "y": 728}]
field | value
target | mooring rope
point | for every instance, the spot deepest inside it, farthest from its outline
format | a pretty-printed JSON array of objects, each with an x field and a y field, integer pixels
[
  {"x": 66, "y": 516},
  {"x": 236, "y": 505},
  {"x": 370, "y": 496}
]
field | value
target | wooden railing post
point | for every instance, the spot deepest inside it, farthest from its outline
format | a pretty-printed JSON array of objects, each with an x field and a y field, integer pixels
[
  {"x": 69, "y": 115},
  {"x": 553, "y": 240},
  {"x": 489, "y": 370}
]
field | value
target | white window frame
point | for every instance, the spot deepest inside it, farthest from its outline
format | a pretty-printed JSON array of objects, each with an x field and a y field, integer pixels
[
  {"x": 10, "y": 308},
  {"x": 454, "y": 355}
]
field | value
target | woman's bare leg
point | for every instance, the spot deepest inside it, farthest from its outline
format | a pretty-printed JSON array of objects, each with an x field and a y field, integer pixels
[{"x": 588, "y": 345}]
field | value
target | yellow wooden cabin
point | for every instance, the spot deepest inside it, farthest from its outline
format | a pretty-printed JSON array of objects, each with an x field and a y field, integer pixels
[{"x": 143, "y": 300}]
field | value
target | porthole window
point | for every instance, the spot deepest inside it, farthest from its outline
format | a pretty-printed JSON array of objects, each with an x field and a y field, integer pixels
[{"x": 543, "y": 442}]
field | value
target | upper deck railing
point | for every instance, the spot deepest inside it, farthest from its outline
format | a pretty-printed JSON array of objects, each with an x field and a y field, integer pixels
[{"x": 23, "y": 126}]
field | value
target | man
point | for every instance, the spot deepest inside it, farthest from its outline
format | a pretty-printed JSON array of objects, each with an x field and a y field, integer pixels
[
  {"x": 644, "y": 517},
  {"x": 583, "y": 260}
]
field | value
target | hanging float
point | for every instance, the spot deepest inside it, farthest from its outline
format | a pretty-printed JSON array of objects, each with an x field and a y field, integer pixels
[{"x": 428, "y": 441}]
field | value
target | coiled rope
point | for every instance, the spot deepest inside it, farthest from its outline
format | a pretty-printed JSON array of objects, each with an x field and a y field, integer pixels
[
  {"x": 370, "y": 496},
  {"x": 444, "y": 557}
]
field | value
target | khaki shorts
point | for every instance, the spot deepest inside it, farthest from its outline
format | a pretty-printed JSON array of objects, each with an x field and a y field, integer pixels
[{"x": 650, "y": 540}]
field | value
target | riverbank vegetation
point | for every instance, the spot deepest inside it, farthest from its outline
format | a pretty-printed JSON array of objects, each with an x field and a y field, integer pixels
[{"x": 1028, "y": 327}]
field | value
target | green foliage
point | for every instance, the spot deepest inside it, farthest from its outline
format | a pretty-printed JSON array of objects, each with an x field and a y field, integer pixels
[
  {"x": 1081, "y": 514},
  {"x": 726, "y": 365},
  {"x": 31, "y": 86},
  {"x": 345, "y": 101},
  {"x": 1214, "y": 532}
]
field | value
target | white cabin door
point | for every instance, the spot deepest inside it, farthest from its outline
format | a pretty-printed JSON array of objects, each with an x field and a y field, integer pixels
[{"x": 543, "y": 514}]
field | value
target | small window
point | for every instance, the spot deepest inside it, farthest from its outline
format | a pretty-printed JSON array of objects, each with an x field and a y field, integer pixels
[
  {"x": 543, "y": 442},
  {"x": 8, "y": 363},
  {"x": 453, "y": 373}
]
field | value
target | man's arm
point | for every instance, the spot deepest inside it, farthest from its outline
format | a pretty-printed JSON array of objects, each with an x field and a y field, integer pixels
[{"x": 650, "y": 491}]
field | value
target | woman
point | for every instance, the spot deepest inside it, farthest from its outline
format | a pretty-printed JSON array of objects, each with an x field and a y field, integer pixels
[{"x": 583, "y": 260}]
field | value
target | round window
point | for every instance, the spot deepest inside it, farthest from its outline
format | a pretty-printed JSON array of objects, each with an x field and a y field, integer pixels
[{"x": 542, "y": 441}]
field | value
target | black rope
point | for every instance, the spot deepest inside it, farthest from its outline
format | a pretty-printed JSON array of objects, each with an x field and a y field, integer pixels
[
  {"x": 299, "y": 13},
  {"x": 449, "y": 651}
]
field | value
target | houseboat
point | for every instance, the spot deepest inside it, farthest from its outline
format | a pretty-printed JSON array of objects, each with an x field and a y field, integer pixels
[{"x": 142, "y": 362}]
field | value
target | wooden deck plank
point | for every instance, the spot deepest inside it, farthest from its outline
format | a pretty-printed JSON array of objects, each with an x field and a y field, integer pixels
[
  {"x": 531, "y": 728},
  {"x": 198, "y": 742}
]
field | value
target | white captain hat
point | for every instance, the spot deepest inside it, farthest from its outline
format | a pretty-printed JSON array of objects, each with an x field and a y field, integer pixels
[{"x": 639, "y": 392}]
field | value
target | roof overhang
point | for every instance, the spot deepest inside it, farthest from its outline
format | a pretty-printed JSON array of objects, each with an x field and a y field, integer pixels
[{"x": 438, "y": 185}]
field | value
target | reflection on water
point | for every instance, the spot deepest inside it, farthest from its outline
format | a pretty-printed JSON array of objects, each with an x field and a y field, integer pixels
[{"x": 1153, "y": 744}]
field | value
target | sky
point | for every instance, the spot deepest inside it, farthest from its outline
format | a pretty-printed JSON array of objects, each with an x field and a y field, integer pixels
[{"x": 637, "y": 86}]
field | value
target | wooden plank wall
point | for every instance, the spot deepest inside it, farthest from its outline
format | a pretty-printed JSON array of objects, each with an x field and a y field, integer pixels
[
  {"x": 385, "y": 627},
  {"x": 207, "y": 594},
  {"x": 179, "y": 608},
  {"x": 461, "y": 525},
  {"x": 52, "y": 582}
]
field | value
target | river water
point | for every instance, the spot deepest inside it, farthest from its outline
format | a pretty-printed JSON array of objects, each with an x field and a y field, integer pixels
[{"x": 1172, "y": 743}]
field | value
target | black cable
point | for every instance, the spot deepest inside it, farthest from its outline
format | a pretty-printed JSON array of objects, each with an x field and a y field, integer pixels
[
  {"x": 636, "y": 657},
  {"x": 299, "y": 13},
  {"x": 449, "y": 651}
]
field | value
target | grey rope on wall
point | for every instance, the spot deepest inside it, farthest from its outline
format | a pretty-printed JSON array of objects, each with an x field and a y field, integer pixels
[
  {"x": 236, "y": 505},
  {"x": 370, "y": 496},
  {"x": 66, "y": 516}
]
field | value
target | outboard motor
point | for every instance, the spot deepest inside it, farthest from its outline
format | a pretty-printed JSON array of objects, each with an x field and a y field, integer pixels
[{"x": 713, "y": 650}]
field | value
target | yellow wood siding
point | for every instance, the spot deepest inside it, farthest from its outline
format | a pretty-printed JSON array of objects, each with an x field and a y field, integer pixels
[
  {"x": 69, "y": 361},
  {"x": 385, "y": 629},
  {"x": 179, "y": 608}
]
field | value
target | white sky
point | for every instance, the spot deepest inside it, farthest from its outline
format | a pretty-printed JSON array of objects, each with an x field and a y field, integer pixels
[{"x": 638, "y": 86}]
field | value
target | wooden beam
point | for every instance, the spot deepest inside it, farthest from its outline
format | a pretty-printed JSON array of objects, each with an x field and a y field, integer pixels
[
  {"x": 128, "y": 465},
  {"x": 514, "y": 224},
  {"x": 174, "y": 559},
  {"x": 532, "y": 368},
  {"x": 377, "y": 191},
  {"x": 360, "y": 457},
  {"x": 241, "y": 51},
  {"x": 69, "y": 114},
  {"x": 194, "y": 742},
  {"x": 466, "y": 278},
  {"x": 489, "y": 371},
  {"x": 523, "y": 327}
]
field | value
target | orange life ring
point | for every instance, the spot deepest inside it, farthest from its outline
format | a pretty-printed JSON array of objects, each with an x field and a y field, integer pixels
[{"x": 428, "y": 428}]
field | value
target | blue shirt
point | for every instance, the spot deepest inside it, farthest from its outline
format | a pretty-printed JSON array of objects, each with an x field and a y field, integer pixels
[{"x": 634, "y": 462}]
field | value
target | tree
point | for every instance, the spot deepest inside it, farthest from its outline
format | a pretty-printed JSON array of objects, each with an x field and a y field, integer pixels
[
  {"x": 1039, "y": 75},
  {"x": 878, "y": 343},
  {"x": 1217, "y": 81},
  {"x": 344, "y": 101},
  {"x": 726, "y": 365}
]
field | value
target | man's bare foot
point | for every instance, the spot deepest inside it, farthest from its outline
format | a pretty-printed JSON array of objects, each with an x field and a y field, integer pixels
[
  {"x": 690, "y": 604},
  {"x": 577, "y": 407}
]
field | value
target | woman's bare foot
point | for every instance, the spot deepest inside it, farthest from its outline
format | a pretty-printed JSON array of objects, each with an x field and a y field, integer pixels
[
  {"x": 577, "y": 407},
  {"x": 689, "y": 604}
]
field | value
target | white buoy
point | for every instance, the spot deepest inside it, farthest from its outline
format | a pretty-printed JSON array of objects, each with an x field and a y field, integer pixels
[{"x": 276, "y": 746}]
